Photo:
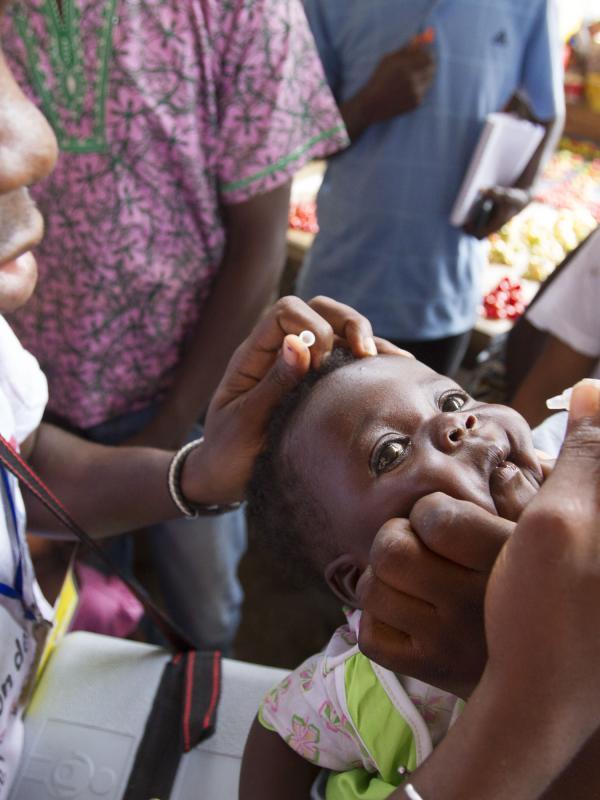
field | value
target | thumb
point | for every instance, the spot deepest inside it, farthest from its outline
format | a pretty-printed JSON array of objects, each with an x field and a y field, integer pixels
[
  {"x": 578, "y": 463},
  {"x": 585, "y": 400},
  {"x": 291, "y": 365}
]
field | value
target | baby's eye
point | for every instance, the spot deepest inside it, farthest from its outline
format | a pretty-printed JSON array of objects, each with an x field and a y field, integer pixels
[
  {"x": 389, "y": 455},
  {"x": 452, "y": 402}
]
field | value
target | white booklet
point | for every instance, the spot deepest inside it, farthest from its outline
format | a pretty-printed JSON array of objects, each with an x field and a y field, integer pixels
[{"x": 504, "y": 149}]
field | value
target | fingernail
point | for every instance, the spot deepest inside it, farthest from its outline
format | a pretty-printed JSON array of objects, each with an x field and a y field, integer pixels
[
  {"x": 370, "y": 346},
  {"x": 585, "y": 400},
  {"x": 289, "y": 355}
]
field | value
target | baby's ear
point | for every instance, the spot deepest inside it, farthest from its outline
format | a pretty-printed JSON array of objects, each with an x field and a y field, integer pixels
[{"x": 342, "y": 576}]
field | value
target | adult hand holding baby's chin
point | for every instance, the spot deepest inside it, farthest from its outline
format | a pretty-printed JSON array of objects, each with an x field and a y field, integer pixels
[
  {"x": 531, "y": 728},
  {"x": 264, "y": 367},
  {"x": 424, "y": 591}
]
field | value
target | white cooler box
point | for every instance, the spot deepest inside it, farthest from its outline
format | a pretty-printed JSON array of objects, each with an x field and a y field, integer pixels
[{"x": 85, "y": 722}]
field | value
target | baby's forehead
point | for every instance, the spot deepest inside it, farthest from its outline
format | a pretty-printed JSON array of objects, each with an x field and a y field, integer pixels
[
  {"x": 362, "y": 376},
  {"x": 367, "y": 384}
]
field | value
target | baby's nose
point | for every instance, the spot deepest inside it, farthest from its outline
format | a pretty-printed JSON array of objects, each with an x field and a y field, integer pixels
[{"x": 453, "y": 429}]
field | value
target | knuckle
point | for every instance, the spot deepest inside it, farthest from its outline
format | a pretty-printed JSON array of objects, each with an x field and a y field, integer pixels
[
  {"x": 433, "y": 513},
  {"x": 288, "y": 304},
  {"x": 320, "y": 301},
  {"x": 583, "y": 441},
  {"x": 393, "y": 547},
  {"x": 383, "y": 645}
]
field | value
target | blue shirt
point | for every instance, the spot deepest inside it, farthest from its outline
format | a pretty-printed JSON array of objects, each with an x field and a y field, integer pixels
[{"x": 386, "y": 245}]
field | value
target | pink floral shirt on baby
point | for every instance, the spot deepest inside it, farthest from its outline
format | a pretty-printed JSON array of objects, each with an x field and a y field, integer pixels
[
  {"x": 341, "y": 711},
  {"x": 164, "y": 112}
]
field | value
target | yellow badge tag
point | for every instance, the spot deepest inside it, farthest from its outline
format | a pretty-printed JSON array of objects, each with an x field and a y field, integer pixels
[{"x": 64, "y": 611}]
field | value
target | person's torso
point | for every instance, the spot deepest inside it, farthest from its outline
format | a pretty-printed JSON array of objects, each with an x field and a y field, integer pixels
[
  {"x": 386, "y": 244},
  {"x": 133, "y": 228}
]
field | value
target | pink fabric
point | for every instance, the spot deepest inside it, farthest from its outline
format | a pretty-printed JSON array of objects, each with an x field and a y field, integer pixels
[
  {"x": 105, "y": 604},
  {"x": 207, "y": 103}
]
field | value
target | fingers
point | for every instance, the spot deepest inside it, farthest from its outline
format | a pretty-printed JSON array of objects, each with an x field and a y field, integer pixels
[
  {"x": 511, "y": 195},
  {"x": 460, "y": 531},
  {"x": 388, "y": 646},
  {"x": 346, "y": 323},
  {"x": 404, "y": 612},
  {"x": 561, "y": 524},
  {"x": 387, "y": 348},
  {"x": 257, "y": 354},
  {"x": 402, "y": 559},
  {"x": 289, "y": 367},
  {"x": 422, "y": 614},
  {"x": 427, "y": 37},
  {"x": 511, "y": 491},
  {"x": 578, "y": 464}
]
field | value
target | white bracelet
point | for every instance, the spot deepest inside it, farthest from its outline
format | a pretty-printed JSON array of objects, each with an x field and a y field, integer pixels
[
  {"x": 189, "y": 510},
  {"x": 174, "y": 478},
  {"x": 411, "y": 792}
]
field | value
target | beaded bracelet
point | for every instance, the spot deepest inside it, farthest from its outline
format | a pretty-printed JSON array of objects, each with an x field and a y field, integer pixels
[{"x": 190, "y": 510}]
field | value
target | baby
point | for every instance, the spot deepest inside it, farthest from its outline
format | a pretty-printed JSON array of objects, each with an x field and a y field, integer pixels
[{"x": 354, "y": 445}]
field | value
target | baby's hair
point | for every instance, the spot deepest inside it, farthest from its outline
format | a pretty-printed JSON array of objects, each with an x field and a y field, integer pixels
[{"x": 283, "y": 514}]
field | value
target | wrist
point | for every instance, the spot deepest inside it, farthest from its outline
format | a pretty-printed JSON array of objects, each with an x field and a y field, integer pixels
[
  {"x": 199, "y": 484},
  {"x": 356, "y": 113},
  {"x": 540, "y": 725},
  {"x": 509, "y": 742}
]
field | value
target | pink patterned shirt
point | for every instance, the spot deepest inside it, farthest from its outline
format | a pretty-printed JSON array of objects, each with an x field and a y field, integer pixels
[{"x": 164, "y": 112}]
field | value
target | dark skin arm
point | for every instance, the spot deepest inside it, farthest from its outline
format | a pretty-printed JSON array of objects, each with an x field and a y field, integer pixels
[
  {"x": 106, "y": 490},
  {"x": 398, "y": 85},
  {"x": 558, "y": 367},
  {"x": 271, "y": 770},
  {"x": 245, "y": 284},
  {"x": 110, "y": 490}
]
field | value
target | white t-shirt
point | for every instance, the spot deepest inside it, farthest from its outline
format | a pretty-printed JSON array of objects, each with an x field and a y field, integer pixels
[
  {"x": 23, "y": 397},
  {"x": 570, "y": 308}
]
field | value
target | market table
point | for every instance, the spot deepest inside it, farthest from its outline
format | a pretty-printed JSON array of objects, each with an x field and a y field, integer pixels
[{"x": 566, "y": 209}]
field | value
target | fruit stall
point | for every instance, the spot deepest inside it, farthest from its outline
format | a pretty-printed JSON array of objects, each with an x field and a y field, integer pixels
[{"x": 521, "y": 255}]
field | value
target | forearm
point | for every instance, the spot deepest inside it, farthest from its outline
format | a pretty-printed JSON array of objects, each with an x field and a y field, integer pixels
[
  {"x": 506, "y": 746},
  {"x": 107, "y": 490},
  {"x": 557, "y": 368},
  {"x": 581, "y": 779},
  {"x": 245, "y": 285},
  {"x": 273, "y": 771}
]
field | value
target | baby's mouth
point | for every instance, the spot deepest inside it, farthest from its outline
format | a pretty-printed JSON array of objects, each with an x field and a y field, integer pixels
[
  {"x": 498, "y": 458},
  {"x": 511, "y": 488}
]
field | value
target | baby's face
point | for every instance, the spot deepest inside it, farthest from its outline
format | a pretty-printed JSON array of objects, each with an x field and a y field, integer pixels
[{"x": 378, "y": 434}]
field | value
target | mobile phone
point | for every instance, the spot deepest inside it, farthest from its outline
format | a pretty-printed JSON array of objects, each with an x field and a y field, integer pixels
[{"x": 482, "y": 214}]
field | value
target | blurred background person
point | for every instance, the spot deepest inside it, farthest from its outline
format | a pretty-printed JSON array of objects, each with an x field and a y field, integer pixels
[
  {"x": 415, "y": 82},
  {"x": 568, "y": 312}
]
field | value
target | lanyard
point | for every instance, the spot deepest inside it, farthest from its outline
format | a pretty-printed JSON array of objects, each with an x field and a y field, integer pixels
[
  {"x": 12, "y": 461},
  {"x": 15, "y": 591}
]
